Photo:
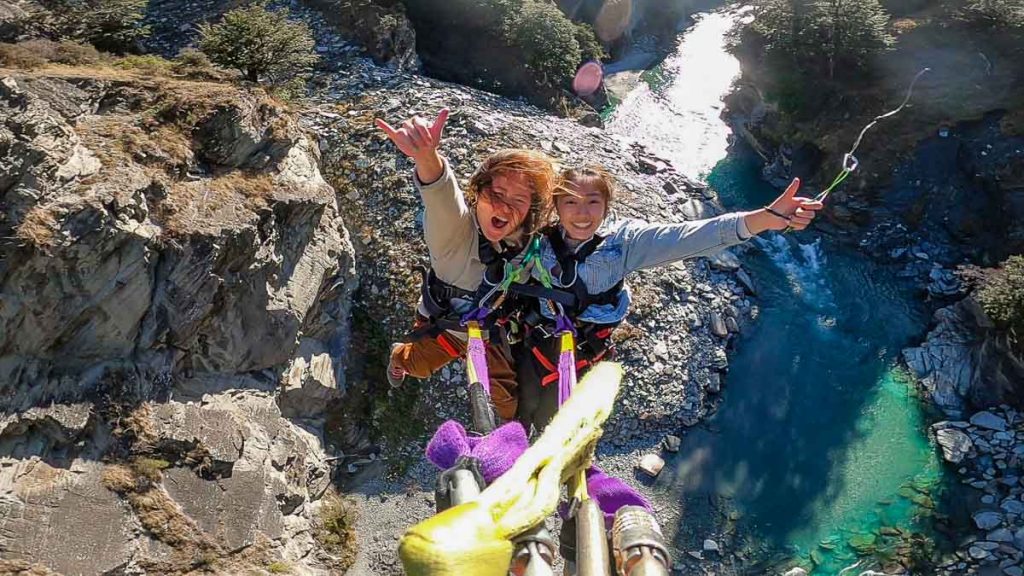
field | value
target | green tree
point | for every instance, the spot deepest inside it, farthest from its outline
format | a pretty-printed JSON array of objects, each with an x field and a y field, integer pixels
[
  {"x": 824, "y": 34},
  {"x": 998, "y": 12},
  {"x": 851, "y": 31},
  {"x": 111, "y": 25},
  {"x": 590, "y": 46},
  {"x": 259, "y": 43},
  {"x": 1002, "y": 297},
  {"x": 547, "y": 40}
]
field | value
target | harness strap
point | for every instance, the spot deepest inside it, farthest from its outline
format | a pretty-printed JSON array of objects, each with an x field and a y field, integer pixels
[{"x": 445, "y": 343}]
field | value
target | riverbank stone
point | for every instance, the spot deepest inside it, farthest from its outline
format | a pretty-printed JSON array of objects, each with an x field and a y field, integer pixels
[
  {"x": 671, "y": 443},
  {"x": 954, "y": 443},
  {"x": 989, "y": 421},
  {"x": 718, "y": 327},
  {"x": 651, "y": 464},
  {"x": 987, "y": 520}
]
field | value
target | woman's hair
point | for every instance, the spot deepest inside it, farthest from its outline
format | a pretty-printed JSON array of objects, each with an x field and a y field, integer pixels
[
  {"x": 539, "y": 170},
  {"x": 594, "y": 175}
]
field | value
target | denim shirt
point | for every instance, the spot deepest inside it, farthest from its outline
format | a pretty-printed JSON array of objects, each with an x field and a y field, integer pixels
[{"x": 631, "y": 245}]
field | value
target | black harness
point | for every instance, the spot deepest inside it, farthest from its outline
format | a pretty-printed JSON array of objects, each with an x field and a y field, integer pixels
[
  {"x": 437, "y": 294},
  {"x": 593, "y": 339},
  {"x": 569, "y": 261}
]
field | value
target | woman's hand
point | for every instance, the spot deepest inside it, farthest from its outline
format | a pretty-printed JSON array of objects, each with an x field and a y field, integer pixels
[
  {"x": 787, "y": 211},
  {"x": 419, "y": 140}
]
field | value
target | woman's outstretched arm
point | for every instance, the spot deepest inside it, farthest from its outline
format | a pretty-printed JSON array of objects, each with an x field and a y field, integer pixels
[{"x": 649, "y": 245}]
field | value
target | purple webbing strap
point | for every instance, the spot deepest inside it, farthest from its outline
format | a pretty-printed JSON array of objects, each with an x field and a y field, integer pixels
[
  {"x": 476, "y": 354},
  {"x": 477, "y": 315}
]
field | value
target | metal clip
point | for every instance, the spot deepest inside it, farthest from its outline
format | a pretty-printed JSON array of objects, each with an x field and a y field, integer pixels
[{"x": 850, "y": 162}]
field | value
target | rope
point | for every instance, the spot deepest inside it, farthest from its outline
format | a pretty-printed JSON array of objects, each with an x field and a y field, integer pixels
[{"x": 849, "y": 160}]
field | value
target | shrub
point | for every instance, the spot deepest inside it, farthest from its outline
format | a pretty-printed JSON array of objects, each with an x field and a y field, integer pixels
[
  {"x": 259, "y": 44},
  {"x": 824, "y": 34},
  {"x": 336, "y": 529},
  {"x": 1002, "y": 296},
  {"x": 73, "y": 53},
  {"x": 196, "y": 65},
  {"x": 997, "y": 12},
  {"x": 147, "y": 64},
  {"x": 547, "y": 40},
  {"x": 149, "y": 468},
  {"x": 19, "y": 56},
  {"x": 111, "y": 25},
  {"x": 590, "y": 46}
]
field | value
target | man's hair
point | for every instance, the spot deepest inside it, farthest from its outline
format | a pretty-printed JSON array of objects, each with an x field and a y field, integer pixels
[
  {"x": 595, "y": 175},
  {"x": 539, "y": 170}
]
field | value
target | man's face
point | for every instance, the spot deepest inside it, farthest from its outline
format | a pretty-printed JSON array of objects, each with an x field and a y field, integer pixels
[{"x": 502, "y": 207}]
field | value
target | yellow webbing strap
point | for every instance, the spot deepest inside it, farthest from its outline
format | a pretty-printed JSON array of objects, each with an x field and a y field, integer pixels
[{"x": 475, "y": 539}]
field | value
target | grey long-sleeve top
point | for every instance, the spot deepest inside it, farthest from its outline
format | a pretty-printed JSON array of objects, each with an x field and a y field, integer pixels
[{"x": 631, "y": 245}]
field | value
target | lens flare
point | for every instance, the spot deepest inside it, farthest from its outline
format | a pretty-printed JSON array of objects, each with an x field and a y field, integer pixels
[{"x": 588, "y": 79}]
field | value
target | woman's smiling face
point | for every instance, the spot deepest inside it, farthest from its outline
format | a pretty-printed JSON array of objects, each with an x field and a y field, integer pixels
[
  {"x": 502, "y": 207},
  {"x": 581, "y": 214}
]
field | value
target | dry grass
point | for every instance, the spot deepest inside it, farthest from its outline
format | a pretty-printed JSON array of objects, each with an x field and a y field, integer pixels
[
  {"x": 160, "y": 515},
  {"x": 903, "y": 25},
  {"x": 212, "y": 205},
  {"x": 39, "y": 227},
  {"x": 336, "y": 529},
  {"x": 24, "y": 568},
  {"x": 118, "y": 478}
]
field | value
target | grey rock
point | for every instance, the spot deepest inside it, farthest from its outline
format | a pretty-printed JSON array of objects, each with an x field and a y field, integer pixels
[
  {"x": 1012, "y": 506},
  {"x": 746, "y": 281},
  {"x": 651, "y": 464},
  {"x": 987, "y": 520},
  {"x": 714, "y": 383},
  {"x": 978, "y": 553},
  {"x": 955, "y": 444},
  {"x": 718, "y": 327},
  {"x": 710, "y": 545},
  {"x": 988, "y": 420},
  {"x": 724, "y": 260},
  {"x": 671, "y": 443},
  {"x": 70, "y": 522},
  {"x": 1000, "y": 535},
  {"x": 731, "y": 325}
]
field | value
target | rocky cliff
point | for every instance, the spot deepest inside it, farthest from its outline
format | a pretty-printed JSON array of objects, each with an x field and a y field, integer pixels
[
  {"x": 185, "y": 352},
  {"x": 175, "y": 283}
]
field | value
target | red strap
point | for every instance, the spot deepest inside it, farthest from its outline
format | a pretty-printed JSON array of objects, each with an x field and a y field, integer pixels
[
  {"x": 552, "y": 375},
  {"x": 553, "y": 370},
  {"x": 442, "y": 339},
  {"x": 604, "y": 333},
  {"x": 543, "y": 361}
]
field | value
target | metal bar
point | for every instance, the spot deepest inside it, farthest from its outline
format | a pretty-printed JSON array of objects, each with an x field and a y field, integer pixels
[
  {"x": 591, "y": 541},
  {"x": 480, "y": 407},
  {"x": 463, "y": 487}
]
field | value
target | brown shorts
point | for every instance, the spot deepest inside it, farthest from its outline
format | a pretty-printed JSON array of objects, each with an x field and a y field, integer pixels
[{"x": 425, "y": 356}]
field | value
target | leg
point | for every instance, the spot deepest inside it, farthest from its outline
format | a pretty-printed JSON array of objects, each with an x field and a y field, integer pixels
[
  {"x": 503, "y": 382},
  {"x": 425, "y": 356}
]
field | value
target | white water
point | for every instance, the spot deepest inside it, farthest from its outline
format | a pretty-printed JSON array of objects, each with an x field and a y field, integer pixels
[{"x": 698, "y": 138}]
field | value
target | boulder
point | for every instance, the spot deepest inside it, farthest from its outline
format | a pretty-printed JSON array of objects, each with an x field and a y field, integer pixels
[
  {"x": 954, "y": 443},
  {"x": 987, "y": 520},
  {"x": 988, "y": 421}
]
